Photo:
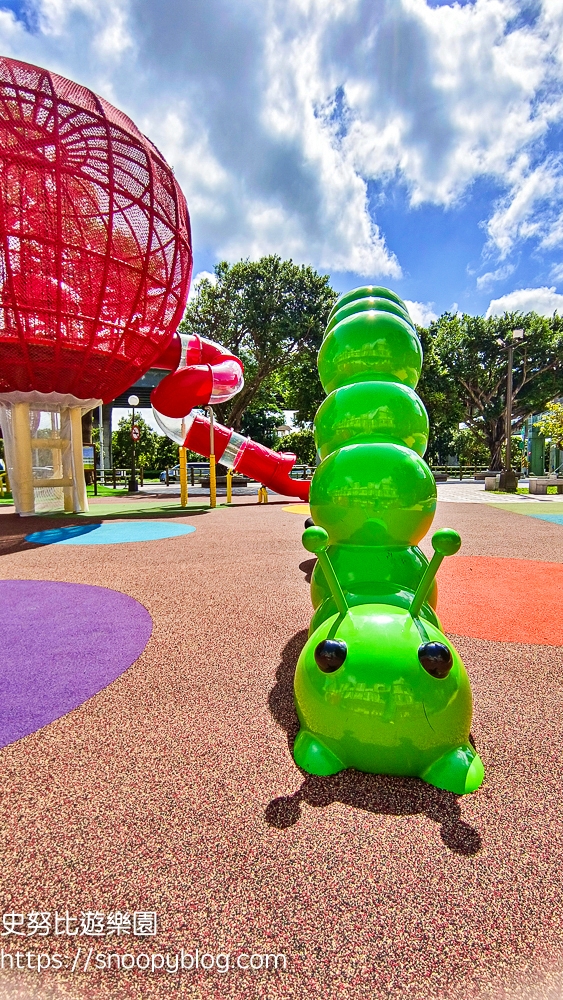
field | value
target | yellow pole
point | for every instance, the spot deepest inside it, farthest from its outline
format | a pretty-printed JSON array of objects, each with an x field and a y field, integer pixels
[
  {"x": 23, "y": 458},
  {"x": 229, "y": 485},
  {"x": 183, "y": 478},
  {"x": 212, "y": 474}
]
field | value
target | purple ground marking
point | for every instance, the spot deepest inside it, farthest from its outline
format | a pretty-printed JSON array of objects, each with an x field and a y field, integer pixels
[{"x": 61, "y": 643}]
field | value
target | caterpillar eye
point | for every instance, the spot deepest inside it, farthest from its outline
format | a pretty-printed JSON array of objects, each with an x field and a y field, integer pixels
[
  {"x": 309, "y": 523},
  {"x": 436, "y": 658},
  {"x": 330, "y": 655}
]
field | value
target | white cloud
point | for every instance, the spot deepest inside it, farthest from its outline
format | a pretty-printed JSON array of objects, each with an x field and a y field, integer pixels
[
  {"x": 278, "y": 116},
  {"x": 421, "y": 313},
  {"x": 531, "y": 208},
  {"x": 544, "y": 301},
  {"x": 201, "y": 276},
  {"x": 442, "y": 95},
  {"x": 485, "y": 280}
]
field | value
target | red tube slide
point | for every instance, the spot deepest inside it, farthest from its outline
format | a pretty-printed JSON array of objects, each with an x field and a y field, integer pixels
[
  {"x": 205, "y": 373},
  {"x": 247, "y": 457}
]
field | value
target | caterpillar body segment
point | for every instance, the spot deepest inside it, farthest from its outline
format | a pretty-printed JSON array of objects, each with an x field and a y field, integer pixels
[{"x": 373, "y": 492}]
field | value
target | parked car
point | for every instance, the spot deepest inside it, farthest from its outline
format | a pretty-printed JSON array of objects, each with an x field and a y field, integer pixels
[{"x": 173, "y": 475}]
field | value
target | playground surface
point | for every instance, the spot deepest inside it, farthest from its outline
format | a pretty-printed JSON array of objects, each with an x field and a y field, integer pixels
[{"x": 152, "y": 773}]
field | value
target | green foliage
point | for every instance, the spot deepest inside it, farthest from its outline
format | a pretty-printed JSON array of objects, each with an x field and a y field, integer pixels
[
  {"x": 476, "y": 366},
  {"x": 271, "y": 314},
  {"x": 550, "y": 424},
  {"x": 439, "y": 393},
  {"x": 260, "y": 423},
  {"x": 166, "y": 454},
  {"x": 152, "y": 451},
  {"x": 303, "y": 391},
  {"x": 301, "y": 443},
  {"x": 470, "y": 447},
  {"x": 122, "y": 445}
]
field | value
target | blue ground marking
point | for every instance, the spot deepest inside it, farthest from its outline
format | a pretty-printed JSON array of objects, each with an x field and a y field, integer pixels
[
  {"x": 554, "y": 518},
  {"x": 110, "y": 533}
]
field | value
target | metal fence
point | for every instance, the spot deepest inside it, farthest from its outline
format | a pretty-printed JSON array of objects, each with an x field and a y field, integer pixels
[
  {"x": 114, "y": 477},
  {"x": 459, "y": 471},
  {"x": 451, "y": 471},
  {"x": 198, "y": 471}
]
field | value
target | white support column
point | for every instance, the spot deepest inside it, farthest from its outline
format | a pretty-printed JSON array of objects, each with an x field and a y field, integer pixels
[
  {"x": 66, "y": 452},
  {"x": 81, "y": 501}
]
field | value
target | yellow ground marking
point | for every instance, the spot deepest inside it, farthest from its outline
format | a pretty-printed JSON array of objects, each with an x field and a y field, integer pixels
[{"x": 298, "y": 508}]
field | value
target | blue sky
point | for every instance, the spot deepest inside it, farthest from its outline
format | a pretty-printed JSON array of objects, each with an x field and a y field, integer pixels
[{"x": 414, "y": 143}]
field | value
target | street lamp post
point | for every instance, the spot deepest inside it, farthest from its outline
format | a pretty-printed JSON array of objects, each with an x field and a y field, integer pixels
[
  {"x": 508, "y": 479},
  {"x": 133, "y": 485}
]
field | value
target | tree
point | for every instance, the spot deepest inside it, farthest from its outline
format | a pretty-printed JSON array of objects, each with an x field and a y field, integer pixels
[
  {"x": 260, "y": 425},
  {"x": 301, "y": 443},
  {"x": 301, "y": 386},
  {"x": 271, "y": 314},
  {"x": 550, "y": 424},
  {"x": 470, "y": 447},
  {"x": 166, "y": 454},
  {"x": 468, "y": 350},
  {"x": 145, "y": 448},
  {"x": 440, "y": 394}
]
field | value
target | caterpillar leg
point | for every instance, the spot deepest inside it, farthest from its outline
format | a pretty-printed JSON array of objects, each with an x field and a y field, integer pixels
[
  {"x": 458, "y": 771},
  {"x": 311, "y": 754}
]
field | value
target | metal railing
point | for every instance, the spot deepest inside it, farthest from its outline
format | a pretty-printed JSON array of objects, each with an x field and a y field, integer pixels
[
  {"x": 302, "y": 472},
  {"x": 451, "y": 471},
  {"x": 460, "y": 471},
  {"x": 197, "y": 472}
]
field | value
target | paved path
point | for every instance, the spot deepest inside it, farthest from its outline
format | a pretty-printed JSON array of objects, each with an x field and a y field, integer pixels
[{"x": 468, "y": 491}]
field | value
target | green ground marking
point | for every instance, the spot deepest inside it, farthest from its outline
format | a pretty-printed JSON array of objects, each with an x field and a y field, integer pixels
[
  {"x": 120, "y": 510},
  {"x": 533, "y": 507},
  {"x": 120, "y": 491},
  {"x": 106, "y": 491},
  {"x": 523, "y": 491}
]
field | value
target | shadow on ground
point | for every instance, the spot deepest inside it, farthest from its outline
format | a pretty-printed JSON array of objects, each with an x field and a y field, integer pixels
[
  {"x": 13, "y": 528},
  {"x": 375, "y": 793},
  {"x": 307, "y": 568}
]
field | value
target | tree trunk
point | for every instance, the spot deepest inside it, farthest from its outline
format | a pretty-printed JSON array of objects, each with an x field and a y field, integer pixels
[
  {"x": 242, "y": 402},
  {"x": 495, "y": 434}
]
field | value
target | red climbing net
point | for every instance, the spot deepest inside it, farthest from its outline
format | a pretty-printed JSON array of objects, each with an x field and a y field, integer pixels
[{"x": 95, "y": 247}]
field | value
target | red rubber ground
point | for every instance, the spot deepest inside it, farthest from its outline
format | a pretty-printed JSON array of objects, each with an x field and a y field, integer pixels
[
  {"x": 508, "y": 600},
  {"x": 174, "y": 790}
]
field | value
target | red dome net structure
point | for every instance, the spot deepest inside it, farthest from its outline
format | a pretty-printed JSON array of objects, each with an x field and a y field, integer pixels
[{"x": 95, "y": 247}]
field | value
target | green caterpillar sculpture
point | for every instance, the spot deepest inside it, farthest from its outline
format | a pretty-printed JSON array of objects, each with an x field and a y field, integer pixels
[{"x": 378, "y": 686}]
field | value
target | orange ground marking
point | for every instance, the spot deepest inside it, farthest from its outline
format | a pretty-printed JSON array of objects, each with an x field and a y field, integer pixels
[{"x": 505, "y": 600}]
